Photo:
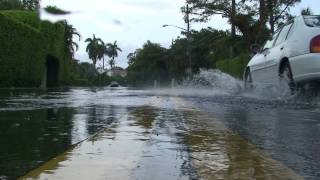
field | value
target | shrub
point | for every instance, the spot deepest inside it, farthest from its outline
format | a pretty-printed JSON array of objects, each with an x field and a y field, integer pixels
[
  {"x": 26, "y": 41},
  {"x": 27, "y": 17},
  {"x": 21, "y": 54},
  {"x": 234, "y": 66}
]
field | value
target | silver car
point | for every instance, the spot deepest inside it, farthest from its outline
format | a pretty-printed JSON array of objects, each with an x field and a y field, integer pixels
[{"x": 291, "y": 55}]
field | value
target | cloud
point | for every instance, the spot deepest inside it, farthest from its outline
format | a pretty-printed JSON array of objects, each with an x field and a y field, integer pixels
[{"x": 130, "y": 22}]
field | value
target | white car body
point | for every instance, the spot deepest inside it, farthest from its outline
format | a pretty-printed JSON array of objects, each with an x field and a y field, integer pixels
[{"x": 293, "y": 47}]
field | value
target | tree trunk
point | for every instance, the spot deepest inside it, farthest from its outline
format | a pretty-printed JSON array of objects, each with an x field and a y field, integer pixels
[
  {"x": 103, "y": 63},
  {"x": 233, "y": 27},
  {"x": 262, "y": 11},
  {"x": 271, "y": 5},
  {"x": 94, "y": 62}
]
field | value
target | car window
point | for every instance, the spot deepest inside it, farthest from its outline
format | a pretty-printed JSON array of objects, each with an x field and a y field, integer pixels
[
  {"x": 270, "y": 42},
  {"x": 312, "y": 21},
  {"x": 283, "y": 34}
]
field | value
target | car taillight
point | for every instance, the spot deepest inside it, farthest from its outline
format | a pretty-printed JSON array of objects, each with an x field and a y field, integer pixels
[{"x": 315, "y": 45}]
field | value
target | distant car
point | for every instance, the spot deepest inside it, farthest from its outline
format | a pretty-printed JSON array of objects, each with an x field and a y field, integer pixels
[
  {"x": 292, "y": 55},
  {"x": 114, "y": 84}
]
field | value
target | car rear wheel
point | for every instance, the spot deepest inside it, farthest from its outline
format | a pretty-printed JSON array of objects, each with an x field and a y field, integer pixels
[{"x": 286, "y": 78}]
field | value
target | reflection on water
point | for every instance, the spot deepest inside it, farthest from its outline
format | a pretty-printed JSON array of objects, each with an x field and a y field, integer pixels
[
  {"x": 141, "y": 145},
  {"x": 30, "y": 138},
  {"x": 155, "y": 134},
  {"x": 287, "y": 132},
  {"x": 220, "y": 154},
  {"x": 152, "y": 143}
]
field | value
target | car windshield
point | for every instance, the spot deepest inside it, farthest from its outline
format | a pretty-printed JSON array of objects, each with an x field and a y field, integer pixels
[
  {"x": 312, "y": 21},
  {"x": 268, "y": 45}
]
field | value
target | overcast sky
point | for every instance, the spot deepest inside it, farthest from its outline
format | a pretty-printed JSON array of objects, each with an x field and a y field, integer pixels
[{"x": 133, "y": 22}]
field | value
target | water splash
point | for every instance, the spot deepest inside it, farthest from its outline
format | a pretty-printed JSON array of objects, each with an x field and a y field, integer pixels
[{"x": 216, "y": 80}]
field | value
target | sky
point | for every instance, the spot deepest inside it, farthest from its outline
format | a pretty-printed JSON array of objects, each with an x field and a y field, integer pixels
[{"x": 132, "y": 22}]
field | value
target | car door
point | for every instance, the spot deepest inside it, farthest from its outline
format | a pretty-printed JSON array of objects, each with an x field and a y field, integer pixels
[
  {"x": 276, "y": 53},
  {"x": 259, "y": 65}
]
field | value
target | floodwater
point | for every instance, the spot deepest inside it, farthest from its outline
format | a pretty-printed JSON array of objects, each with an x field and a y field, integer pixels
[{"x": 105, "y": 133}]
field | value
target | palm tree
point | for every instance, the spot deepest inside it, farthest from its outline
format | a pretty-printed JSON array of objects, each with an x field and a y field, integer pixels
[
  {"x": 102, "y": 51},
  {"x": 306, "y": 11},
  {"x": 70, "y": 32},
  {"x": 112, "y": 52},
  {"x": 93, "y": 48}
]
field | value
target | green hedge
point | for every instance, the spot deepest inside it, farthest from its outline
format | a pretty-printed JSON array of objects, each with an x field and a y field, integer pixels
[
  {"x": 24, "y": 46},
  {"x": 234, "y": 66},
  {"x": 21, "y": 54},
  {"x": 54, "y": 38},
  {"x": 26, "y": 17}
]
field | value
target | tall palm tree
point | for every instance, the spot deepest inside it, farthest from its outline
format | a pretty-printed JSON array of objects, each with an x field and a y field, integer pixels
[
  {"x": 93, "y": 48},
  {"x": 70, "y": 32},
  {"x": 112, "y": 52},
  {"x": 102, "y": 51}
]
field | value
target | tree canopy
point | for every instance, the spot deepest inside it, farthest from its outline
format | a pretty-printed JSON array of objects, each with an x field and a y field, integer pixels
[
  {"x": 19, "y": 5},
  {"x": 112, "y": 50},
  {"x": 70, "y": 32},
  {"x": 94, "y": 48},
  {"x": 250, "y": 17}
]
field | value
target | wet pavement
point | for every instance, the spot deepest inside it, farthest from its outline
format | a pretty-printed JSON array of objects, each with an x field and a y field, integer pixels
[{"x": 102, "y": 133}]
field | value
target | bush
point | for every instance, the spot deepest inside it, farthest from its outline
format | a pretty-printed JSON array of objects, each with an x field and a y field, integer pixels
[
  {"x": 25, "y": 43},
  {"x": 21, "y": 54},
  {"x": 10, "y": 4},
  {"x": 234, "y": 66},
  {"x": 27, "y": 17}
]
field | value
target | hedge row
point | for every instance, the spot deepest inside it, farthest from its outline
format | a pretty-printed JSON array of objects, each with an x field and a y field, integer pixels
[
  {"x": 25, "y": 42},
  {"x": 234, "y": 66},
  {"x": 54, "y": 46},
  {"x": 26, "y": 17},
  {"x": 21, "y": 54}
]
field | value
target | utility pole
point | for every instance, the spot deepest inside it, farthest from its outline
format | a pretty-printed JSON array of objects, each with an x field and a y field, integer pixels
[{"x": 187, "y": 21}]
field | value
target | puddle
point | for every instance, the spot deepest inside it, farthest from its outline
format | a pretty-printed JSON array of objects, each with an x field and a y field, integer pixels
[
  {"x": 222, "y": 154},
  {"x": 161, "y": 143},
  {"x": 138, "y": 146}
]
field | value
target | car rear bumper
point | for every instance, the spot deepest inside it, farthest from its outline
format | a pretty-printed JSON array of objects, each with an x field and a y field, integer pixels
[{"x": 305, "y": 67}]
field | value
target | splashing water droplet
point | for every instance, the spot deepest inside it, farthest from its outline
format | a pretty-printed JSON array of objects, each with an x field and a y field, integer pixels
[{"x": 216, "y": 80}]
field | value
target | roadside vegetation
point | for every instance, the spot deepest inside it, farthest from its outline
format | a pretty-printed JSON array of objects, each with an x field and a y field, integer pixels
[
  {"x": 24, "y": 65},
  {"x": 27, "y": 43},
  {"x": 251, "y": 23}
]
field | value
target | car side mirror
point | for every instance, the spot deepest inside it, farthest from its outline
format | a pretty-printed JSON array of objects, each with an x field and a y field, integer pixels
[{"x": 255, "y": 48}]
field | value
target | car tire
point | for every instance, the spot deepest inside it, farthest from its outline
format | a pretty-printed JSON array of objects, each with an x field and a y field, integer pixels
[
  {"x": 286, "y": 77},
  {"x": 248, "y": 83}
]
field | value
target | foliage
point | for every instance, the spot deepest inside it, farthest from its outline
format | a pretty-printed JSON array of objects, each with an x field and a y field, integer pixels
[
  {"x": 306, "y": 11},
  {"x": 94, "y": 49},
  {"x": 102, "y": 52},
  {"x": 152, "y": 62},
  {"x": 84, "y": 73},
  {"x": 19, "y": 5},
  {"x": 87, "y": 75},
  {"x": 234, "y": 66},
  {"x": 21, "y": 64},
  {"x": 149, "y": 64},
  {"x": 254, "y": 20},
  {"x": 250, "y": 17},
  {"x": 70, "y": 32},
  {"x": 31, "y": 4},
  {"x": 26, "y": 17},
  {"x": 112, "y": 52},
  {"x": 55, "y": 10},
  {"x": 11, "y": 5},
  {"x": 24, "y": 49}
]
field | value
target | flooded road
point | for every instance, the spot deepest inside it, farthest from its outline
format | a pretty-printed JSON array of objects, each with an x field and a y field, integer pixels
[{"x": 102, "y": 133}]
